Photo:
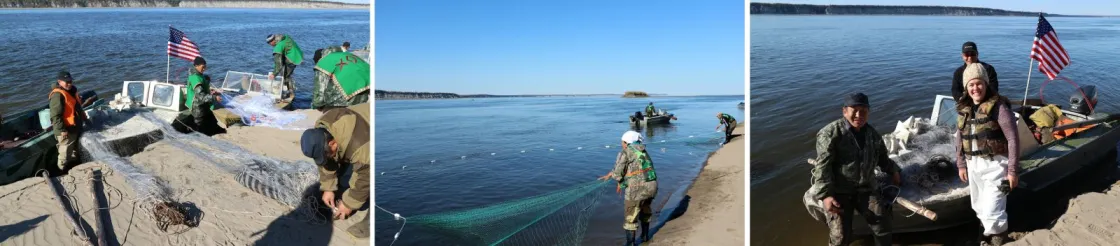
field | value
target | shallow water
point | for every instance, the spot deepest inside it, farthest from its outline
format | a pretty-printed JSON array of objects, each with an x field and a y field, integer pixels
[{"x": 477, "y": 144}]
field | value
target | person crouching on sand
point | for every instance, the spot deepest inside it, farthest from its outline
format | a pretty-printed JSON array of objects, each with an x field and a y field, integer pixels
[
  {"x": 340, "y": 141},
  {"x": 633, "y": 169},
  {"x": 989, "y": 152}
]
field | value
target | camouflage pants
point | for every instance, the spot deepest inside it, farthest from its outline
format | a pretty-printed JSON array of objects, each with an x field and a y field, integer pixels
[
  {"x": 877, "y": 214},
  {"x": 728, "y": 130},
  {"x": 67, "y": 149},
  {"x": 637, "y": 210},
  {"x": 287, "y": 72}
]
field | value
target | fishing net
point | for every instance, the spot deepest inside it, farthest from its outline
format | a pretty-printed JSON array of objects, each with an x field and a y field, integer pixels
[
  {"x": 927, "y": 156},
  {"x": 283, "y": 181},
  {"x": 556, "y": 218},
  {"x": 260, "y": 110},
  {"x": 152, "y": 193}
]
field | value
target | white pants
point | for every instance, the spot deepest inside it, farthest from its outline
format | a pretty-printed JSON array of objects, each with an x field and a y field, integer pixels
[{"x": 984, "y": 177}]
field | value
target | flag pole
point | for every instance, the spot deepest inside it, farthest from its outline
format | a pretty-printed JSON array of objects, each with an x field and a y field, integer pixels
[
  {"x": 1026, "y": 90},
  {"x": 167, "y": 78}
]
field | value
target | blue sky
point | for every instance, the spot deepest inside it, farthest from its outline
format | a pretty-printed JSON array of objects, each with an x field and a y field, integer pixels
[
  {"x": 561, "y": 47},
  {"x": 1080, "y": 7}
]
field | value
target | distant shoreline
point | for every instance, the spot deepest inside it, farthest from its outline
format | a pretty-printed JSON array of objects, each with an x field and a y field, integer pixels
[
  {"x": 177, "y": 4},
  {"x": 890, "y": 10}
]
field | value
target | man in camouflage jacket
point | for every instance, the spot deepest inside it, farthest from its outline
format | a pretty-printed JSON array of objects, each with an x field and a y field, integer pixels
[{"x": 848, "y": 151}]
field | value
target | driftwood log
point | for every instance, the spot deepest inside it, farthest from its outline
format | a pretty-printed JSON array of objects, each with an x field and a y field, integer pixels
[
  {"x": 919, "y": 209},
  {"x": 62, "y": 200},
  {"x": 93, "y": 180}
]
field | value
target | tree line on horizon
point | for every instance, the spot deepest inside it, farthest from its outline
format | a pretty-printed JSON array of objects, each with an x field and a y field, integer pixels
[{"x": 811, "y": 9}]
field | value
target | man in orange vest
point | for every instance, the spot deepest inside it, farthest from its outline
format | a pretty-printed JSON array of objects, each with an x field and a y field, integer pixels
[{"x": 67, "y": 118}]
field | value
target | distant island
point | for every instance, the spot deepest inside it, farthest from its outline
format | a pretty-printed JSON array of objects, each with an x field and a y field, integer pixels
[
  {"x": 634, "y": 94},
  {"x": 810, "y": 9},
  {"x": 294, "y": 4},
  {"x": 403, "y": 95}
]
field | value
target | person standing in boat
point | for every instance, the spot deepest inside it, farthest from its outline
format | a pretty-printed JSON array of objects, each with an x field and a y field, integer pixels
[
  {"x": 633, "y": 169},
  {"x": 286, "y": 55},
  {"x": 989, "y": 151},
  {"x": 970, "y": 55},
  {"x": 340, "y": 141},
  {"x": 650, "y": 110},
  {"x": 848, "y": 151},
  {"x": 728, "y": 123},
  {"x": 67, "y": 118},
  {"x": 201, "y": 98}
]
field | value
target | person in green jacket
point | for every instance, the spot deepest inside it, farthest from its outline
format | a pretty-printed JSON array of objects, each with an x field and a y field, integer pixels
[
  {"x": 634, "y": 171},
  {"x": 286, "y": 55},
  {"x": 848, "y": 151},
  {"x": 201, "y": 98},
  {"x": 340, "y": 141},
  {"x": 327, "y": 94},
  {"x": 650, "y": 110},
  {"x": 728, "y": 123}
]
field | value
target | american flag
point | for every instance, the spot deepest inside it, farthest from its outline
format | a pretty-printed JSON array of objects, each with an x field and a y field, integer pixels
[
  {"x": 180, "y": 46},
  {"x": 1051, "y": 57}
]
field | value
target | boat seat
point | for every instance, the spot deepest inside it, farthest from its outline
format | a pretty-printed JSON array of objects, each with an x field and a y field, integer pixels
[
  {"x": 44, "y": 119},
  {"x": 1027, "y": 142}
]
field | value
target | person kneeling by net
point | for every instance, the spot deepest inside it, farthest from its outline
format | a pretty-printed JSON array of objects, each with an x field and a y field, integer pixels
[
  {"x": 635, "y": 173},
  {"x": 200, "y": 101},
  {"x": 340, "y": 140}
]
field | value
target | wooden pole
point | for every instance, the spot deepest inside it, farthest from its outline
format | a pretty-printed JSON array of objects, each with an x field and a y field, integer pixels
[
  {"x": 93, "y": 180},
  {"x": 919, "y": 209},
  {"x": 74, "y": 222}
]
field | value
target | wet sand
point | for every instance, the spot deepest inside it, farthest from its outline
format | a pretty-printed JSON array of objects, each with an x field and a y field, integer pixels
[
  {"x": 227, "y": 212},
  {"x": 714, "y": 215}
]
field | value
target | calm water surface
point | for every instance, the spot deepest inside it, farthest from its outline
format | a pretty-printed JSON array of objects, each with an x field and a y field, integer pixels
[
  {"x": 411, "y": 134},
  {"x": 801, "y": 65},
  {"x": 104, "y": 47}
]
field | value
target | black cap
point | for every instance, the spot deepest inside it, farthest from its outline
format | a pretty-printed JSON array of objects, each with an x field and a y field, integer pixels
[
  {"x": 199, "y": 61},
  {"x": 65, "y": 76},
  {"x": 857, "y": 99},
  {"x": 345, "y": 44},
  {"x": 314, "y": 144},
  {"x": 969, "y": 48}
]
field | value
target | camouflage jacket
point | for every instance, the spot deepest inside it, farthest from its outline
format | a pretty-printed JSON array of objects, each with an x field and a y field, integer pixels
[
  {"x": 627, "y": 168},
  {"x": 350, "y": 128},
  {"x": 203, "y": 100},
  {"x": 845, "y": 166},
  {"x": 327, "y": 94}
]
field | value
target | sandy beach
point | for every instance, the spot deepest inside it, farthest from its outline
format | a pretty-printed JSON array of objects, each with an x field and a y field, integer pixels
[
  {"x": 1090, "y": 220},
  {"x": 715, "y": 211},
  {"x": 226, "y": 212}
]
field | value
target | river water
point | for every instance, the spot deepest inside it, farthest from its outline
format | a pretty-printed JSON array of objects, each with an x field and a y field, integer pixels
[
  {"x": 801, "y": 66},
  {"x": 104, "y": 47},
  {"x": 477, "y": 144}
]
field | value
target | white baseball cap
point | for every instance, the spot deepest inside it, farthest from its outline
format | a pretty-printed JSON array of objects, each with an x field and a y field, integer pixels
[{"x": 631, "y": 136}]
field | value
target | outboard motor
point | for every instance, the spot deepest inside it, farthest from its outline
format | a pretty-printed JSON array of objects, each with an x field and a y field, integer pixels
[
  {"x": 636, "y": 117},
  {"x": 1081, "y": 103}
]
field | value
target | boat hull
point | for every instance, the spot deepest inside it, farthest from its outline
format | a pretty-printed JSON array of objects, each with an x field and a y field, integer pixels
[{"x": 38, "y": 152}]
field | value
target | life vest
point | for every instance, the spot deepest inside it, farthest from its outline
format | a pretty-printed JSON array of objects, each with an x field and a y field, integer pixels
[
  {"x": 288, "y": 47},
  {"x": 646, "y": 172},
  {"x": 988, "y": 136},
  {"x": 69, "y": 102},
  {"x": 727, "y": 119},
  {"x": 1068, "y": 132}
]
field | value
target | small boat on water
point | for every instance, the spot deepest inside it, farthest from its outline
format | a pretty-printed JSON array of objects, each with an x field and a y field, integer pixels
[
  {"x": 659, "y": 118},
  {"x": 1091, "y": 137},
  {"x": 742, "y": 105},
  {"x": 27, "y": 143}
]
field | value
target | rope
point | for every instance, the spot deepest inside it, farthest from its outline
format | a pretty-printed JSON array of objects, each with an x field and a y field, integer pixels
[{"x": 396, "y": 216}]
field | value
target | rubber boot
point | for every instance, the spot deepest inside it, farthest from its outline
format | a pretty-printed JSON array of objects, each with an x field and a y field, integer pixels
[
  {"x": 629, "y": 238},
  {"x": 645, "y": 232}
]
